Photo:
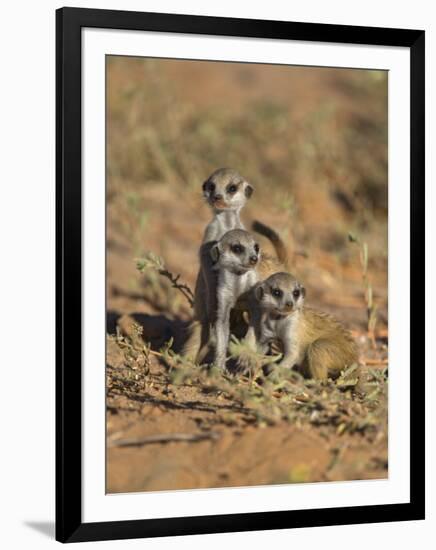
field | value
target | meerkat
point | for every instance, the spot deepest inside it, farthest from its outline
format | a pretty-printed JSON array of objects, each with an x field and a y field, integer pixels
[
  {"x": 234, "y": 259},
  {"x": 313, "y": 341}
]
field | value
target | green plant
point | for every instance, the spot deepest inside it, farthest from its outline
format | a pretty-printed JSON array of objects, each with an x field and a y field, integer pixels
[{"x": 371, "y": 307}]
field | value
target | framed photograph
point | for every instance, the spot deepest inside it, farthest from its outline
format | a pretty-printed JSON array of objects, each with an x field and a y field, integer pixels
[{"x": 240, "y": 274}]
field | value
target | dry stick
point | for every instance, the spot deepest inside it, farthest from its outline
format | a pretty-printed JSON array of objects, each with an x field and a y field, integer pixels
[
  {"x": 375, "y": 361},
  {"x": 184, "y": 289},
  {"x": 163, "y": 438},
  {"x": 157, "y": 264}
]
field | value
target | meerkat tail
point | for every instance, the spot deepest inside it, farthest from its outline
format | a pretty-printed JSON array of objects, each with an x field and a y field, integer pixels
[
  {"x": 192, "y": 344},
  {"x": 278, "y": 244}
]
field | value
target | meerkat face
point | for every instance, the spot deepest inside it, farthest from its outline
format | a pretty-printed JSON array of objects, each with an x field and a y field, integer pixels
[
  {"x": 281, "y": 294},
  {"x": 225, "y": 189},
  {"x": 237, "y": 252}
]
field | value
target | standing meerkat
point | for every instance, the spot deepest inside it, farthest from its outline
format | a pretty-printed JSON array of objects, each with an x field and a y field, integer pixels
[
  {"x": 314, "y": 341},
  {"x": 226, "y": 192},
  {"x": 234, "y": 258}
]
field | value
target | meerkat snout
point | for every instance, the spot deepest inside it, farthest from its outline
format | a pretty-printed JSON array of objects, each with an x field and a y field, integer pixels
[
  {"x": 237, "y": 252},
  {"x": 225, "y": 189},
  {"x": 281, "y": 293}
]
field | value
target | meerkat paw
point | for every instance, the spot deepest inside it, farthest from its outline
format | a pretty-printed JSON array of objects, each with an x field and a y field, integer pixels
[
  {"x": 246, "y": 364},
  {"x": 219, "y": 366},
  {"x": 220, "y": 363}
]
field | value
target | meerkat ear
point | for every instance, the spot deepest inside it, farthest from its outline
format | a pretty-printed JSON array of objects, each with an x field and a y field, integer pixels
[
  {"x": 248, "y": 190},
  {"x": 215, "y": 253},
  {"x": 259, "y": 292},
  {"x": 204, "y": 186}
]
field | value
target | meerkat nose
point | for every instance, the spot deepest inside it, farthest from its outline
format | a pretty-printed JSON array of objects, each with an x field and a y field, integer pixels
[
  {"x": 217, "y": 197},
  {"x": 289, "y": 304},
  {"x": 253, "y": 260}
]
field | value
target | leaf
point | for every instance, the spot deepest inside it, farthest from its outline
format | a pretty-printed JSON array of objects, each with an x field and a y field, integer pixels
[{"x": 150, "y": 261}]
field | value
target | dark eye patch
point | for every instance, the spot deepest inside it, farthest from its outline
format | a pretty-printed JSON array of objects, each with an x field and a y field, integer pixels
[
  {"x": 277, "y": 292},
  {"x": 256, "y": 248},
  {"x": 237, "y": 248},
  {"x": 232, "y": 188},
  {"x": 296, "y": 293},
  {"x": 211, "y": 186}
]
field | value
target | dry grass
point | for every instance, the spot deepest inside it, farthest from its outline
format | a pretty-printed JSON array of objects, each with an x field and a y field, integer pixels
[{"x": 355, "y": 402}]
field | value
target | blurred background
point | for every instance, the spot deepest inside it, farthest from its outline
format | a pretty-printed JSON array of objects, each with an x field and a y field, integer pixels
[{"x": 313, "y": 143}]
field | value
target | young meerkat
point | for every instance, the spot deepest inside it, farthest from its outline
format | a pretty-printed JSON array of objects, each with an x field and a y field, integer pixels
[
  {"x": 234, "y": 259},
  {"x": 313, "y": 341}
]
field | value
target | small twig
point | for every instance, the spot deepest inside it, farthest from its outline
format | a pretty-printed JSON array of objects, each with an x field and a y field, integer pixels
[
  {"x": 163, "y": 438},
  {"x": 151, "y": 261},
  {"x": 184, "y": 289},
  {"x": 375, "y": 361}
]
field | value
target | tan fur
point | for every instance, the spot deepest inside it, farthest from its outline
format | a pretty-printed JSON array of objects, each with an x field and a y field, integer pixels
[{"x": 325, "y": 344}]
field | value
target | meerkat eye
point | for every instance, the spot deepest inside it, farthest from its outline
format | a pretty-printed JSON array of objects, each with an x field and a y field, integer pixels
[
  {"x": 277, "y": 292},
  {"x": 211, "y": 187},
  {"x": 296, "y": 293},
  {"x": 256, "y": 248},
  {"x": 232, "y": 189},
  {"x": 237, "y": 248}
]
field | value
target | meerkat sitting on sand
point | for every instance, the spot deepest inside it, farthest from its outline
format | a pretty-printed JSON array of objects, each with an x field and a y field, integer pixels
[
  {"x": 234, "y": 260},
  {"x": 313, "y": 341}
]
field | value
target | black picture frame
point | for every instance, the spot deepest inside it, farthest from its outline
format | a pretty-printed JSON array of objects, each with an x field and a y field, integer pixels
[{"x": 69, "y": 525}]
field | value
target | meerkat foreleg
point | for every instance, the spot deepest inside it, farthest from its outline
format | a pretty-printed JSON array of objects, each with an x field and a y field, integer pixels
[
  {"x": 250, "y": 339},
  {"x": 244, "y": 362},
  {"x": 290, "y": 353}
]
